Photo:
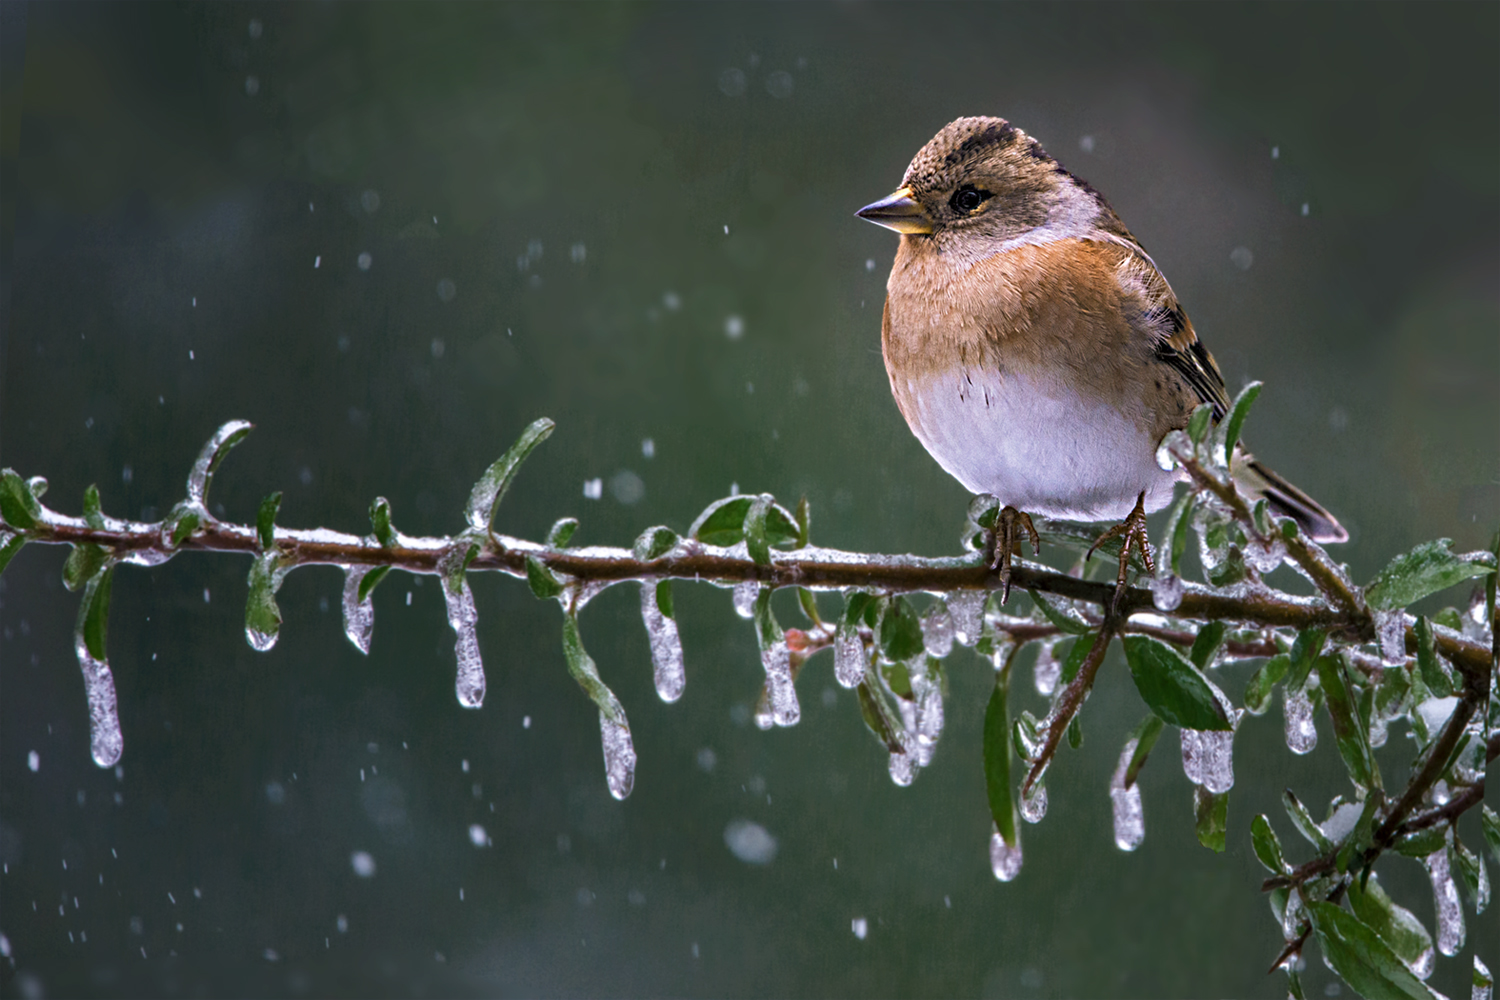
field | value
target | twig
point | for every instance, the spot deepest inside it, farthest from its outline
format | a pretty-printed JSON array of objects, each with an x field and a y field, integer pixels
[{"x": 1071, "y": 699}]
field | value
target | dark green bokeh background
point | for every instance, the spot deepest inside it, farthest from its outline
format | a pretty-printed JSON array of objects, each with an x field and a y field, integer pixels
[{"x": 156, "y": 155}]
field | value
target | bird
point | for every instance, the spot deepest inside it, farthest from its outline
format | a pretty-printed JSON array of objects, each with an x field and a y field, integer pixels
[{"x": 1037, "y": 351}]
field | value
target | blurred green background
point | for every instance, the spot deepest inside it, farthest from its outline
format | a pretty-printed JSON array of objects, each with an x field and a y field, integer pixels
[{"x": 637, "y": 220}]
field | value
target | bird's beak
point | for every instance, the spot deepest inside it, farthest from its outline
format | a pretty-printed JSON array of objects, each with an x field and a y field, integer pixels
[{"x": 900, "y": 212}]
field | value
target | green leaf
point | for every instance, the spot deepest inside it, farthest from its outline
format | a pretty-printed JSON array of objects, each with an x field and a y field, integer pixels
[
  {"x": 1078, "y": 651},
  {"x": 1303, "y": 821},
  {"x": 581, "y": 666},
  {"x": 898, "y": 679},
  {"x": 767, "y": 630},
  {"x": 664, "y": 599},
  {"x": 1304, "y": 653},
  {"x": 877, "y": 716},
  {"x": 1361, "y": 957},
  {"x": 1490, "y": 820},
  {"x": 1433, "y": 674},
  {"x": 1175, "y": 538},
  {"x": 1172, "y": 687},
  {"x": 1426, "y": 569},
  {"x": 653, "y": 543},
  {"x": 181, "y": 522},
  {"x": 1212, "y": 814},
  {"x": 380, "y": 520},
  {"x": 804, "y": 521},
  {"x": 1210, "y": 637},
  {"x": 1395, "y": 925},
  {"x": 1262, "y": 683},
  {"x": 93, "y": 613},
  {"x": 1229, "y": 430},
  {"x": 809, "y": 605},
  {"x": 82, "y": 565},
  {"x": 1421, "y": 843},
  {"x": 561, "y": 533},
  {"x": 262, "y": 616},
  {"x": 1470, "y": 869},
  {"x": 202, "y": 476},
  {"x": 997, "y": 760},
  {"x": 10, "y": 544},
  {"x": 491, "y": 487},
  {"x": 1267, "y": 846},
  {"x": 265, "y": 520},
  {"x": 18, "y": 505},
  {"x": 723, "y": 523},
  {"x": 1145, "y": 737},
  {"x": 1358, "y": 840},
  {"x": 92, "y": 514},
  {"x": 1482, "y": 982},
  {"x": 370, "y": 581},
  {"x": 1198, "y": 422},
  {"x": 1075, "y": 731},
  {"x": 543, "y": 582},
  {"x": 900, "y": 633},
  {"x": 1352, "y": 738},
  {"x": 1069, "y": 621},
  {"x": 855, "y": 605},
  {"x": 756, "y": 543}
]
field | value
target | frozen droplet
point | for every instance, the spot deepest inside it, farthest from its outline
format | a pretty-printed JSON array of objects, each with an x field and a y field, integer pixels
[
  {"x": 364, "y": 261},
  {"x": 781, "y": 694},
  {"x": 937, "y": 631},
  {"x": 1130, "y": 817},
  {"x": 1450, "y": 912},
  {"x": 750, "y": 842},
  {"x": 105, "y": 739},
  {"x": 619, "y": 754},
  {"x": 464, "y": 618},
  {"x": 648, "y": 448},
  {"x": 1301, "y": 732},
  {"x": 33, "y": 761},
  {"x": 1390, "y": 631},
  {"x": 478, "y": 836},
  {"x": 734, "y": 327},
  {"x": 666, "y": 646},
  {"x": 1264, "y": 557},
  {"x": 1034, "y": 803},
  {"x": 860, "y": 926},
  {"x": 1005, "y": 859},
  {"x": 967, "y": 609},
  {"x": 848, "y": 656},
  {"x": 1047, "y": 671},
  {"x": 1208, "y": 758},
  {"x": 359, "y": 616},
  {"x": 593, "y": 489},
  {"x": 364, "y": 866},
  {"x": 1166, "y": 590},
  {"x": 744, "y": 598}
]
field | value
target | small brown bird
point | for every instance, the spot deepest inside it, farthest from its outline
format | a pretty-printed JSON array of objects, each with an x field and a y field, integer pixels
[{"x": 1033, "y": 346}]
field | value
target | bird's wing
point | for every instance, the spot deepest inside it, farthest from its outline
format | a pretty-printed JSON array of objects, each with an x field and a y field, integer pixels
[{"x": 1173, "y": 339}]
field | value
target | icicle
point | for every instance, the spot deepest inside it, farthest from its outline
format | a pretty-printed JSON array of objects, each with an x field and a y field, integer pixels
[
  {"x": 359, "y": 616},
  {"x": 967, "y": 609},
  {"x": 1166, "y": 591},
  {"x": 105, "y": 739},
  {"x": 902, "y": 767},
  {"x": 848, "y": 656},
  {"x": 776, "y": 658},
  {"x": 1301, "y": 732},
  {"x": 1483, "y": 982},
  {"x": 1005, "y": 859},
  {"x": 927, "y": 722},
  {"x": 1034, "y": 804},
  {"x": 744, "y": 598},
  {"x": 1130, "y": 817},
  {"x": 1390, "y": 630},
  {"x": 937, "y": 631},
  {"x": 666, "y": 645},
  {"x": 1208, "y": 758},
  {"x": 1450, "y": 912},
  {"x": 465, "y": 620},
  {"x": 619, "y": 754},
  {"x": 1047, "y": 670},
  {"x": 763, "y": 718}
]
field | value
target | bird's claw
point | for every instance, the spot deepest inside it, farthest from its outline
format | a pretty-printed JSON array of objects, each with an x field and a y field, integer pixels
[
  {"x": 1133, "y": 532},
  {"x": 1007, "y": 538}
]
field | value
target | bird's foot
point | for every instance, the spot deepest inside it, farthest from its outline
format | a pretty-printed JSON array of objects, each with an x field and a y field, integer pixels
[
  {"x": 1008, "y": 525},
  {"x": 1132, "y": 531}
]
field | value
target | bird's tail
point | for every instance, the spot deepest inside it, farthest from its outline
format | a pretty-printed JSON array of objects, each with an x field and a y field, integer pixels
[{"x": 1287, "y": 500}]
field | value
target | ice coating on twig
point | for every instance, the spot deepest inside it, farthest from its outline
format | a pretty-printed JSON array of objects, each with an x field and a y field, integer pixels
[
  {"x": 1034, "y": 803},
  {"x": 359, "y": 616},
  {"x": 967, "y": 610},
  {"x": 1166, "y": 591},
  {"x": 781, "y": 694},
  {"x": 848, "y": 656},
  {"x": 619, "y": 754},
  {"x": 1004, "y": 859},
  {"x": 465, "y": 621},
  {"x": 1130, "y": 816},
  {"x": 937, "y": 631},
  {"x": 1301, "y": 732},
  {"x": 106, "y": 742},
  {"x": 1265, "y": 556},
  {"x": 1390, "y": 631},
  {"x": 1047, "y": 670},
  {"x": 666, "y": 646},
  {"x": 1450, "y": 912},
  {"x": 744, "y": 598}
]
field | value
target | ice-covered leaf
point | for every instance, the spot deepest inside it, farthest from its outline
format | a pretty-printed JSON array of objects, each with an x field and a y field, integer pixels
[
  {"x": 89, "y": 645},
  {"x": 776, "y": 660},
  {"x": 1229, "y": 428},
  {"x": 469, "y": 683},
  {"x": 997, "y": 760},
  {"x": 1175, "y": 538},
  {"x": 543, "y": 582},
  {"x": 1472, "y": 873},
  {"x": 93, "y": 613},
  {"x": 83, "y": 562},
  {"x": 10, "y": 544},
  {"x": 1490, "y": 820},
  {"x": 1067, "y": 620},
  {"x": 1303, "y": 821},
  {"x": 809, "y": 605},
  {"x": 371, "y": 580},
  {"x": 1211, "y": 812},
  {"x": 1397, "y": 926},
  {"x": 1426, "y": 569},
  {"x": 1210, "y": 637},
  {"x": 1421, "y": 843},
  {"x": 265, "y": 520},
  {"x": 666, "y": 645},
  {"x": 491, "y": 487},
  {"x": 756, "y": 542},
  {"x": 723, "y": 523},
  {"x": 1361, "y": 958},
  {"x": 877, "y": 716},
  {"x": 380, "y": 520},
  {"x": 180, "y": 523},
  {"x": 1172, "y": 687},
  {"x": 614, "y": 729},
  {"x": 93, "y": 515},
  {"x": 1429, "y": 664},
  {"x": 358, "y": 609},
  {"x": 1305, "y": 650},
  {"x": 202, "y": 475},
  {"x": 1144, "y": 738},
  {"x": 1198, "y": 423},
  {"x": 262, "y": 616},
  {"x": 803, "y": 516},
  {"x": 653, "y": 543},
  {"x": 561, "y": 533},
  {"x": 1267, "y": 845},
  {"x": 18, "y": 505},
  {"x": 1262, "y": 683},
  {"x": 1078, "y": 651},
  {"x": 1352, "y": 738},
  {"x": 900, "y": 631}
]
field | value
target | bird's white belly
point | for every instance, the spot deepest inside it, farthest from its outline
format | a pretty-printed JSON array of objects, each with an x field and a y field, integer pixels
[{"x": 1038, "y": 445}]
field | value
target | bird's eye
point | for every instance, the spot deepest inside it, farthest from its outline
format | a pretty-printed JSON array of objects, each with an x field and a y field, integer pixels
[{"x": 966, "y": 199}]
